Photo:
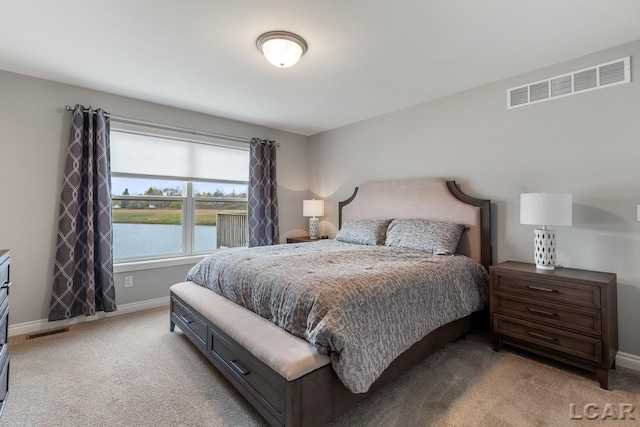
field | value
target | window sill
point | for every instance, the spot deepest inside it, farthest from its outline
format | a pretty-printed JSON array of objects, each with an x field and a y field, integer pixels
[{"x": 124, "y": 267}]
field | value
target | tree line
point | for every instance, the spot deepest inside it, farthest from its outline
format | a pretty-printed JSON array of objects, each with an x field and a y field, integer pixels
[{"x": 177, "y": 192}]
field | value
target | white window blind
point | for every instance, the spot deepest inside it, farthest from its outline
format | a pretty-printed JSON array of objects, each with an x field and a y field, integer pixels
[{"x": 140, "y": 154}]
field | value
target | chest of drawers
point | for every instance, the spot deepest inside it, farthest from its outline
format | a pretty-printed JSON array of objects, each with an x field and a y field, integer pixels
[
  {"x": 565, "y": 314},
  {"x": 5, "y": 284}
]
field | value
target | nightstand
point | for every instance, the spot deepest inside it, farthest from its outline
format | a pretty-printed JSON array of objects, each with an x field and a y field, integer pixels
[
  {"x": 565, "y": 314},
  {"x": 301, "y": 239}
]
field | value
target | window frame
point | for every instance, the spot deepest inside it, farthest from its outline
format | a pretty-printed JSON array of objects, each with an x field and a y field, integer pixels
[
  {"x": 188, "y": 212},
  {"x": 188, "y": 202}
]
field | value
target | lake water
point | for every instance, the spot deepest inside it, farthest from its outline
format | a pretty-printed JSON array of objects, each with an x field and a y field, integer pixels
[{"x": 141, "y": 240}]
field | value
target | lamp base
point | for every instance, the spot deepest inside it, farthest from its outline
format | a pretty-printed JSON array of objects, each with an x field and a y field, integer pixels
[
  {"x": 313, "y": 228},
  {"x": 545, "y": 249}
]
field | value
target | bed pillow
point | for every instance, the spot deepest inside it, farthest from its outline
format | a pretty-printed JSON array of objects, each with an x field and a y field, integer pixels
[
  {"x": 364, "y": 231},
  {"x": 435, "y": 237}
]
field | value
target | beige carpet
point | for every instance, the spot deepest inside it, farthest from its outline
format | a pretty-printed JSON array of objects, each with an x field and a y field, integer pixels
[{"x": 131, "y": 371}]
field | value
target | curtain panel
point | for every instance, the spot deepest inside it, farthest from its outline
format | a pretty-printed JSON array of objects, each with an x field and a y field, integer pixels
[
  {"x": 262, "y": 209},
  {"x": 83, "y": 269}
]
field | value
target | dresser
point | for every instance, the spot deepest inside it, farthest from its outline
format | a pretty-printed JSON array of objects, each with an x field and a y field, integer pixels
[
  {"x": 5, "y": 285},
  {"x": 565, "y": 314}
]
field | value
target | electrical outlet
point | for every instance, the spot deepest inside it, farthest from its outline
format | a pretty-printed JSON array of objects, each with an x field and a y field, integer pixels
[{"x": 128, "y": 281}]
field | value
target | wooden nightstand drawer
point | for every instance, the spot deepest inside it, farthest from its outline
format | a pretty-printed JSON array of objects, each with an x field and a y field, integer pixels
[
  {"x": 580, "y": 346},
  {"x": 572, "y": 294},
  {"x": 302, "y": 239},
  {"x": 580, "y": 320}
]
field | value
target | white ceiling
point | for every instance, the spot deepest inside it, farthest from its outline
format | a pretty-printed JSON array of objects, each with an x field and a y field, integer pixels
[{"x": 365, "y": 58}]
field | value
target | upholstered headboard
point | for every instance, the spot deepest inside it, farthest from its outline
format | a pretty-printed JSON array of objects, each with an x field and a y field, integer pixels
[{"x": 429, "y": 198}]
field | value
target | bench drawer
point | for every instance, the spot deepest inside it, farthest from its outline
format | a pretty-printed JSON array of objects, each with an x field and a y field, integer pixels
[
  {"x": 186, "y": 319},
  {"x": 260, "y": 380}
]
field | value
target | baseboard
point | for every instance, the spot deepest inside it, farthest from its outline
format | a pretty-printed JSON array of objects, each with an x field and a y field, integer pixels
[
  {"x": 624, "y": 360},
  {"x": 45, "y": 325},
  {"x": 629, "y": 361}
]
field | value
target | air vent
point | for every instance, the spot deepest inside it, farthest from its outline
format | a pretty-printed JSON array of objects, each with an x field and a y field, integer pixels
[
  {"x": 520, "y": 96},
  {"x": 612, "y": 73},
  {"x": 596, "y": 77},
  {"x": 584, "y": 80},
  {"x": 561, "y": 85},
  {"x": 47, "y": 333},
  {"x": 539, "y": 91}
]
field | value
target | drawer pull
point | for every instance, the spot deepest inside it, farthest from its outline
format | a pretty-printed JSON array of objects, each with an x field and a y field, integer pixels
[
  {"x": 545, "y": 313},
  {"x": 544, "y": 337},
  {"x": 186, "y": 320},
  {"x": 6, "y": 285},
  {"x": 539, "y": 288},
  {"x": 238, "y": 368}
]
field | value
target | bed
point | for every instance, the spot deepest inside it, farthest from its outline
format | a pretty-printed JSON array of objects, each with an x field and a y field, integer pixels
[{"x": 293, "y": 382}]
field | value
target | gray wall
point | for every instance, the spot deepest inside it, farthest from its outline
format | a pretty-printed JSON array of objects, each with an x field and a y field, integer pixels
[
  {"x": 586, "y": 144},
  {"x": 34, "y": 132}
]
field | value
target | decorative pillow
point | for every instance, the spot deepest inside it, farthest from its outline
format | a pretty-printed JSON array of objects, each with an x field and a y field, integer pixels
[
  {"x": 435, "y": 237},
  {"x": 364, "y": 231}
]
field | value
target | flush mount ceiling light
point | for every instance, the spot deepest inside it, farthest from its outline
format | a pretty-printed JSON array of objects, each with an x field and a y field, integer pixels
[{"x": 281, "y": 48}]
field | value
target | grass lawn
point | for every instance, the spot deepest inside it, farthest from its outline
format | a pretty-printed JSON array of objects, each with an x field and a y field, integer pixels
[
  {"x": 148, "y": 216},
  {"x": 161, "y": 216}
]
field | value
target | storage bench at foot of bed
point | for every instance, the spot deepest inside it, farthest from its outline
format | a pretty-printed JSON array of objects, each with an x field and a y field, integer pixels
[
  {"x": 282, "y": 376},
  {"x": 297, "y": 402}
]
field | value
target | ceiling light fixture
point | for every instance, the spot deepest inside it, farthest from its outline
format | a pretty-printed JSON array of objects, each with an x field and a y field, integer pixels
[{"x": 281, "y": 48}]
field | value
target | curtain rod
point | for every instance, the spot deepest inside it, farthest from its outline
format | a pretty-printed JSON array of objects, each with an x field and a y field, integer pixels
[{"x": 168, "y": 127}]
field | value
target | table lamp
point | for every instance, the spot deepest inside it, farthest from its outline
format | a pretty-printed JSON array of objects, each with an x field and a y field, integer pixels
[
  {"x": 313, "y": 208},
  {"x": 545, "y": 209}
]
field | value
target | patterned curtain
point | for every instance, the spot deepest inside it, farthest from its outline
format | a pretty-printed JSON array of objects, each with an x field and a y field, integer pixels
[
  {"x": 262, "y": 208},
  {"x": 83, "y": 270}
]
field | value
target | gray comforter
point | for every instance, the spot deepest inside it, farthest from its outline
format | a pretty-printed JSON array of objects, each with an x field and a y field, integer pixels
[{"x": 363, "y": 305}]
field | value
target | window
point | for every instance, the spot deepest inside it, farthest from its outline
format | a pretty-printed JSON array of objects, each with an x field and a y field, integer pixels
[
  {"x": 147, "y": 217},
  {"x": 172, "y": 197}
]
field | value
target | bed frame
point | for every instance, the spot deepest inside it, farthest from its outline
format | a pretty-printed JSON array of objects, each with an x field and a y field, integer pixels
[{"x": 319, "y": 396}]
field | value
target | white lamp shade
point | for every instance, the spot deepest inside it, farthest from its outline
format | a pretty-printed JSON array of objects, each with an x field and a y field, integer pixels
[
  {"x": 313, "y": 208},
  {"x": 282, "y": 53},
  {"x": 546, "y": 208}
]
